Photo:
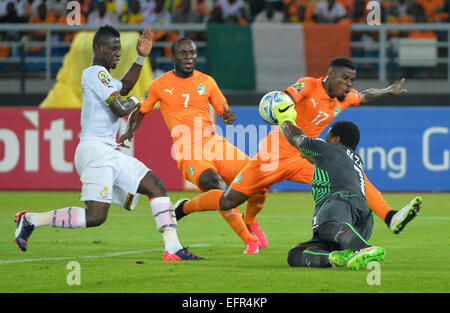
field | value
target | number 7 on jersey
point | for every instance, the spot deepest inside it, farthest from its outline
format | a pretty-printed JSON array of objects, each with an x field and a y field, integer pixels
[{"x": 185, "y": 95}]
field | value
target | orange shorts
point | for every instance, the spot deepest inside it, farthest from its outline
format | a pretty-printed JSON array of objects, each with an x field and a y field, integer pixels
[
  {"x": 216, "y": 153},
  {"x": 258, "y": 174}
]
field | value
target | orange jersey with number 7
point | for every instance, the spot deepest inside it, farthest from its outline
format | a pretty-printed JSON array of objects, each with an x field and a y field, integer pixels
[{"x": 185, "y": 102}]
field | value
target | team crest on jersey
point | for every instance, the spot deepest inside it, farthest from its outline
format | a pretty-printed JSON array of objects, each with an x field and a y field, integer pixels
[
  {"x": 337, "y": 111},
  {"x": 104, "y": 192},
  {"x": 201, "y": 89},
  {"x": 191, "y": 170},
  {"x": 299, "y": 86},
  {"x": 104, "y": 78}
]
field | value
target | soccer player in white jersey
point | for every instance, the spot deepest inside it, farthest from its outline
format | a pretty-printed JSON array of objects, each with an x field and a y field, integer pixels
[{"x": 108, "y": 175}]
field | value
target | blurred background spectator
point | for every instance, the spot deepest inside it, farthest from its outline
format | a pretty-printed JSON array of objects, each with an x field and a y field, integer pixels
[
  {"x": 100, "y": 16},
  {"x": 330, "y": 11},
  {"x": 269, "y": 14}
]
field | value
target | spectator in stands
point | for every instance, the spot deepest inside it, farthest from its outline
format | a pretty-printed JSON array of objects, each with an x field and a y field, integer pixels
[
  {"x": 446, "y": 12},
  {"x": 233, "y": 11},
  {"x": 185, "y": 14},
  {"x": 290, "y": 10},
  {"x": 59, "y": 7},
  {"x": 147, "y": 5},
  {"x": 358, "y": 14},
  {"x": 117, "y": 7},
  {"x": 134, "y": 14},
  {"x": 11, "y": 16},
  {"x": 201, "y": 6},
  {"x": 159, "y": 15},
  {"x": 100, "y": 16},
  {"x": 26, "y": 8},
  {"x": 43, "y": 17},
  {"x": 86, "y": 6},
  {"x": 216, "y": 16},
  {"x": 269, "y": 14},
  {"x": 329, "y": 11}
]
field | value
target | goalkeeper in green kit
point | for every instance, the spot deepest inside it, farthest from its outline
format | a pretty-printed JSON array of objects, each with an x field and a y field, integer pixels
[{"x": 342, "y": 220}]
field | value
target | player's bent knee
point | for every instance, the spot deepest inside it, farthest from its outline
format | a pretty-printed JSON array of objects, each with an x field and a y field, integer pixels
[
  {"x": 210, "y": 179},
  {"x": 227, "y": 204},
  {"x": 152, "y": 186},
  {"x": 95, "y": 217},
  {"x": 295, "y": 257}
]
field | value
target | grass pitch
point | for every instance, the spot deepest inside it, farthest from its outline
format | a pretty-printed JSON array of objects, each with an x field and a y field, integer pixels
[{"x": 124, "y": 254}]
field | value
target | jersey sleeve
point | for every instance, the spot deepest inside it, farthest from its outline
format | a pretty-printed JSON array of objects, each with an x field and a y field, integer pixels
[
  {"x": 150, "y": 98},
  {"x": 216, "y": 98},
  {"x": 354, "y": 97},
  {"x": 312, "y": 146},
  {"x": 102, "y": 84},
  {"x": 300, "y": 89}
]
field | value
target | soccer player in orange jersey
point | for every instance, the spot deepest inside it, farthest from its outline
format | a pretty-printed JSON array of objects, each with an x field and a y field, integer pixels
[
  {"x": 317, "y": 101},
  {"x": 205, "y": 159}
]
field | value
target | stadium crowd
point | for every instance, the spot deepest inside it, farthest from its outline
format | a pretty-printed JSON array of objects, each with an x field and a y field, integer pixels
[
  {"x": 163, "y": 12},
  {"x": 243, "y": 12}
]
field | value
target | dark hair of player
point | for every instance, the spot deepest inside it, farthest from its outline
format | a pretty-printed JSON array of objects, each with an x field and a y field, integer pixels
[
  {"x": 343, "y": 62},
  {"x": 348, "y": 132},
  {"x": 103, "y": 32},
  {"x": 177, "y": 42}
]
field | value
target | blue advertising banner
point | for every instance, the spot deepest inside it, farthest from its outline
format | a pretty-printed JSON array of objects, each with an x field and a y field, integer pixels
[{"x": 404, "y": 149}]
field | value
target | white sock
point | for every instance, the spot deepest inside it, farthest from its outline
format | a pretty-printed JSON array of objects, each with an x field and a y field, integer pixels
[
  {"x": 166, "y": 223},
  {"x": 70, "y": 217}
]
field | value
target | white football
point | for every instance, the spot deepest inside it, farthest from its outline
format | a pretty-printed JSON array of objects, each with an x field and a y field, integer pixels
[{"x": 268, "y": 102}]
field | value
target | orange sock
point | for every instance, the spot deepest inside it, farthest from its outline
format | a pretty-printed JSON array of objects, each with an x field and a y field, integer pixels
[
  {"x": 209, "y": 201},
  {"x": 254, "y": 205},
  {"x": 376, "y": 201},
  {"x": 234, "y": 219}
]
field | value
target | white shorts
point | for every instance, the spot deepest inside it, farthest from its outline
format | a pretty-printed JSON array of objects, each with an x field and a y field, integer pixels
[{"x": 108, "y": 175}]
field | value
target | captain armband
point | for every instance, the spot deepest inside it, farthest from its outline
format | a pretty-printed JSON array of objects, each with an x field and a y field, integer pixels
[{"x": 112, "y": 97}]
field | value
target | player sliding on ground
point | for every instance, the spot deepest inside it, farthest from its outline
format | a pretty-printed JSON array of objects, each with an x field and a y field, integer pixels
[
  {"x": 184, "y": 95},
  {"x": 108, "y": 175},
  {"x": 342, "y": 221},
  {"x": 317, "y": 101}
]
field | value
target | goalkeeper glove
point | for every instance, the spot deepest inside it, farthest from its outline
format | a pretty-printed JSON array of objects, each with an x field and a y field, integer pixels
[{"x": 285, "y": 111}]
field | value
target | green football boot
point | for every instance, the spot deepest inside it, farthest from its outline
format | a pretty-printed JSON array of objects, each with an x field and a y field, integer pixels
[
  {"x": 340, "y": 258},
  {"x": 364, "y": 256}
]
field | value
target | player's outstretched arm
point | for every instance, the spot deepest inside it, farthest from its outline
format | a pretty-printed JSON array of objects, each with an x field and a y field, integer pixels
[
  {"x": 144, "y": 46},
  {"x": 134, "y": 121},
  {"x": 123, "y": 108},
  {"x": 375, "y": 93},
  {"x": 293, "y": 133}
]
